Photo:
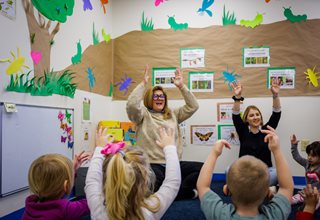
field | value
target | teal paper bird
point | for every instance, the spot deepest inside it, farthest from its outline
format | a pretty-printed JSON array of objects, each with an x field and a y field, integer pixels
[{"x": 205, "y": 5}]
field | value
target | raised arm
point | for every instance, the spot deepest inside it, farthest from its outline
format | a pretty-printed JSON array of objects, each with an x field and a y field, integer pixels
[
  {"x": 191, "y": 105},
  {"x": 135, "y": 108},
  {"x": 275, "y": 89},
  {"x": 205, "y": 176},
  {"x": 295, "y": 153},
  {"x": 171, "y": 184},
  {"x": 237, "y": 90},
  {"x": 283, "y": 170}
]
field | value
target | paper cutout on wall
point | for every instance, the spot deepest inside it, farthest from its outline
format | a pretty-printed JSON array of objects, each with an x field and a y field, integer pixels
[
  {"x": 91, "y": 78},
  {"x": 68, "y": 117},
  {"x": 103, "y": 3},
  {"x": 36, "y": 56},
  {"x": 63, "y": 139},
  {"x": 16, "y": 64},
  {"x": 312, "y": 76},
  {"x": 204, "y": 8},
  {"x": 293, "y": 18},
  {"x": 252, "y": 23},
  {"x": 146, "y": 25},
  {"x": 8, "y": 8},
  {"x": 87, "y": 5},
  {"x": 157, "y": 2},
  {"x": 124, "y": 84},
  {"x": 60, "y": 116},
  {"x": 54, "y": 10},
  {"x": 105, "y": 36},
  {"x": 228, "y": 18},
  {"x": 95, "y": 36},
  {"x": 67, "y": 130},
  {"x": 204, "y": 137},
  {"x": 110, "y": 89},
  {"x": 175, "y": 26},
  {"x": 50, "y": 83},
  {"x": 77, "y": 58},
  {"x": 229, "y": 77}
]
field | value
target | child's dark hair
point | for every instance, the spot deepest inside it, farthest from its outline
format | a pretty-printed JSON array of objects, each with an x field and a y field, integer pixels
[{"x": 314, "y": 148}]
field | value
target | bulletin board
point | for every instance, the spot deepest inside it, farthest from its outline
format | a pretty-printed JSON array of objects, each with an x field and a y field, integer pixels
[{"x": 25, "y": 135}]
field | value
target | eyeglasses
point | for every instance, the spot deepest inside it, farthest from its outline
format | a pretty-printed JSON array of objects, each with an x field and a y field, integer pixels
[{"x": 158, "y": 97}]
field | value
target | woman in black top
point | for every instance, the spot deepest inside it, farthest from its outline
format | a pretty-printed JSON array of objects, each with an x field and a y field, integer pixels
[{"x": 249, "y": 127}]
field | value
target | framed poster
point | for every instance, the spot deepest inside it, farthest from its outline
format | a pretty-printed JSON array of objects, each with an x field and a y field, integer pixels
[
  {"x": 163, "y": 77},
  {"x": 225, "y": 112},
  {"x": 8, "y": 8},
  {"x": 203, "y": 134},
  {"x": 256, "y": 57},
  {"x": 201, "y": 81},
  {"x": 192, "y": 57},
  {"x": 286, "y": 75},
  {"x": 229, "y": 133}
]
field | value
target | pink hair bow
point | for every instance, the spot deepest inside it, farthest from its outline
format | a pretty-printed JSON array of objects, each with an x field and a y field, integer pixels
[{"x": 113, "y": 148}]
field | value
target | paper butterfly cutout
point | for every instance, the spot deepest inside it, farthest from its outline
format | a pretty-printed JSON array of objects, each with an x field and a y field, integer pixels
[
  {"x": 204, "y": 137},
  {"x": 63, "y": 139},
  {"x": 60, "y": 116},
  {"x": 70, "y": 144}
]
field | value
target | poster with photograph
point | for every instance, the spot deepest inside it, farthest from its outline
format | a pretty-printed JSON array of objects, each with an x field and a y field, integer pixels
[
  {"x": 286, "y": 75},
  {"x": 203, "y": 134},
  {"x": 229, "y": 133},
  {"x": 86, "y": 110},
  {"x": 163, "y": 77},
  {"x": 201, "y": 81},
  {"x": 225, "y": 112},
  {"x": 256, "y": 57},
  {"x": 192, "y": 57}
]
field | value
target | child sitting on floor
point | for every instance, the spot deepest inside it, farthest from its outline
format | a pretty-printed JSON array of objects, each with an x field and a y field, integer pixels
[
  {"x": 51, "y": 177},
  {"x": 311, "y": 165},
  {"x": 119, "y": 180},
  {"x": 248, "y": 185}
]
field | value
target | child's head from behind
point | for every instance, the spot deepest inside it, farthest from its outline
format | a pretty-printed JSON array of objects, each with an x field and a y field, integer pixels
[
  {"x": 51, "y": 176},
  {"x": 248, "y": 181},
  {"x": 128, "y": 181},
  {"x": 313, "y": 151}
]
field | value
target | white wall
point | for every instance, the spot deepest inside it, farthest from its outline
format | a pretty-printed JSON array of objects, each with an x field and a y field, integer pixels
[{"x": 300, "y": 115}]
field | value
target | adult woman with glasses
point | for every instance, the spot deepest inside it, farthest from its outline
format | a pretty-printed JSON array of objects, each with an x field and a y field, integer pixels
[{"x": 154, "y": 113}]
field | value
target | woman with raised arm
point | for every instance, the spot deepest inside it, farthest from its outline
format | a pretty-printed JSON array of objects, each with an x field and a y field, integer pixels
[{"x": 149, "y": 111}]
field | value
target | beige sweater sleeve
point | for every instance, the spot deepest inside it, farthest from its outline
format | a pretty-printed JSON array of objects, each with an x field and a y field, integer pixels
[{"x": 135, "y": 108}]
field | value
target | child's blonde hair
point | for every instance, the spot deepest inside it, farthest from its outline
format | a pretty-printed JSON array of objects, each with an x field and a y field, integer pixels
[
  {"x": 129, "y": 181},
  {"x": 248, "y": 181},
  {"x": 48, "y": 174}
]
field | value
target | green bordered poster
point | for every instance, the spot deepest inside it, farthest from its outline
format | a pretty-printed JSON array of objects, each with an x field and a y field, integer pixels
[
  {"x": 256, "y": 57},
  {"x": 201, "y": 81},
  {"x": 163, "y": 77}
]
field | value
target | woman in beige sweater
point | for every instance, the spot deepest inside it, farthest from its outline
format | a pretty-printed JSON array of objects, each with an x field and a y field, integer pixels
[{"x": 154, "y": 113}]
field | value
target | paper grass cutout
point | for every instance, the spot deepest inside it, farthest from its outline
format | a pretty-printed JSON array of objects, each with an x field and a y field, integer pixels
[
  {"x": 91, "y": 78},
  {"x": 32, "y": 37},
  {"x": 157, "y": 2},
  {"x": 67, "y": 130},
  {"x": 105, "y": 36},
  {"x": 124, "y": 84},
  {"x": 228, "y": 19},
  {"x": 146, "y": 25},
  {"x": 16, "y": 64},
  {"x": 36, "y": 56},
  {"x": 77, "y": 58},
  {"x": 103, "y": 3},
  {"x": 312, "y": 76},
  {"x": 205, "y": 5},
  {"x": 8, "y": 8},
  {"x": 95, "y": 36},
  {"x": 252, "y": 23},
  {"x": 55, "y": 10},
  {"x": 110, "y": 89},
  {"x": 87, "y": 5},
  {"x": 229, "y": 77},
  {"x": 50, "y": 83},
  {"x": 175, "y": 26},
  {"x": 293, "y": 18}
]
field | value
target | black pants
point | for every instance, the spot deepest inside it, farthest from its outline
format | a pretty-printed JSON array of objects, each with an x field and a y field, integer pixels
[{"x": 189, "y": 175}]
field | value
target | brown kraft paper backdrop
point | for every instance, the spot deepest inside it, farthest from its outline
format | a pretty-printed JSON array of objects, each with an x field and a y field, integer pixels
[{"x": 291, "y": 45}]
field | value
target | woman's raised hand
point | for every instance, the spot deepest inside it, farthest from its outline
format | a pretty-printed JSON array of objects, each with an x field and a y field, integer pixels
[
  {"x": 237, "y": 88},
  {"x": 178, "y": 80},
  {"x": 146, "y": 75}
]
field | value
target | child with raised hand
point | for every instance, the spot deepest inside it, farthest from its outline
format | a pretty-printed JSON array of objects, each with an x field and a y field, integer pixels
[
  {"x": 311, "y": 165},
  {"x": 51, "y": 177},
  {"x": 119, "y": 180},
  {"x": 311, "y": 197},
  {"x": 248, "y": 185}
]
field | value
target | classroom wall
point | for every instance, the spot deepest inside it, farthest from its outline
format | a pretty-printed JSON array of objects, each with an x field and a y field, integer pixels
[{"x": 300, "y": 115}]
